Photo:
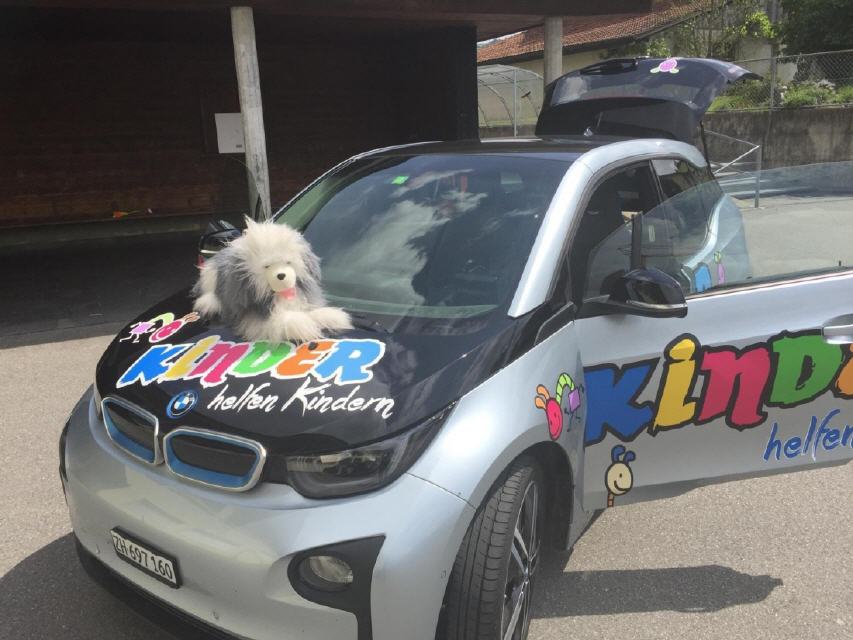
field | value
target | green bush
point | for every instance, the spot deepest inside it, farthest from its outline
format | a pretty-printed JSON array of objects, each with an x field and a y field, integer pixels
[
  {"x": 808, "y": 95},
  {"x": 844, "y": 94},
  {"x": 747, "y": 94},
  {"x": 754, "y": 94},
  {"x": 725, "y": 103}
]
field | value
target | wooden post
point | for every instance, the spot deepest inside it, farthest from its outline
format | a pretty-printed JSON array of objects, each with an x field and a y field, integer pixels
[
  {"x": 553, "y": 49},
  {"x": 251, "y": 106}
]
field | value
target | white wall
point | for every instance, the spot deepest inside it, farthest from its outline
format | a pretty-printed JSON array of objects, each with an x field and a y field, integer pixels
[{"x": 571, "y": 61}]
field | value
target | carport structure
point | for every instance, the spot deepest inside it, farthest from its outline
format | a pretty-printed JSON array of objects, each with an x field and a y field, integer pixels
[{"x": 109, "y": 106}]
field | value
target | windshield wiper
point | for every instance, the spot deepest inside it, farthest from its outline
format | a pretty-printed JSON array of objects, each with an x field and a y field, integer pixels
[{"x": 363, "y": 322}]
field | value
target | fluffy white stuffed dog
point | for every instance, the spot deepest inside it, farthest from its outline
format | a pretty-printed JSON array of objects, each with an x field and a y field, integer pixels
[{"x": 266, "y": 285}]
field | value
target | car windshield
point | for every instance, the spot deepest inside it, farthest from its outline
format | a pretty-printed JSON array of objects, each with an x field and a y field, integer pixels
[{"x": 426, "y": 236}]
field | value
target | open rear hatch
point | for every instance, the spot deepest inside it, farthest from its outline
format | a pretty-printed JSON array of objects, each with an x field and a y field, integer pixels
[{"x": 636, "y": 97}]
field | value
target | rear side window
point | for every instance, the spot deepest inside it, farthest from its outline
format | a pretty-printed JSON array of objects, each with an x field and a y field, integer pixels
[
  {"x": 691, "y": 196},
  {"x": 696, "y": 234}
]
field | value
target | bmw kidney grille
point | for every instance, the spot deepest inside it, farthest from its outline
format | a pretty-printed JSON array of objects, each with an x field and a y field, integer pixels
[
  {"x": 132, "y": 429},
  {"x": 214, "y": 459}
]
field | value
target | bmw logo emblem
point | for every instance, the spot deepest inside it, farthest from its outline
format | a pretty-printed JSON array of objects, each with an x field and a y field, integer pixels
[{"x": 181, "y": 403}]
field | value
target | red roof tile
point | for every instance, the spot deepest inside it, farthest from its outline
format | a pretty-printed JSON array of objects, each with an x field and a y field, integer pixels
[{"x": 585, "y": 31}]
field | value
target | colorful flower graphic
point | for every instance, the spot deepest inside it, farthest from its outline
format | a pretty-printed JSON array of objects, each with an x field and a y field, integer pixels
[{"x": 670, "y": 65}]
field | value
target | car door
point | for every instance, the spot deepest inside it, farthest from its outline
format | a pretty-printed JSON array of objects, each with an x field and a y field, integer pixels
[{"x": 756, "y": 379}]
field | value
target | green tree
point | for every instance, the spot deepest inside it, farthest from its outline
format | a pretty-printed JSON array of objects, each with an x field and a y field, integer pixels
[
  {"x": 809, "y": 26},
  {"x": 713, "y": 32},
  {"x": 717, "y": 31}
]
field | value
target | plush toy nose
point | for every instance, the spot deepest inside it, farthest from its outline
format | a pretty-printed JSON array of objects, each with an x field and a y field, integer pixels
[{"x": 280, "y": 277}]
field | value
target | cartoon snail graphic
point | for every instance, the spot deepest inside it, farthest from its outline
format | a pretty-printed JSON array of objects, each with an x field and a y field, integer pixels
[{"x": 619, "y": 478}]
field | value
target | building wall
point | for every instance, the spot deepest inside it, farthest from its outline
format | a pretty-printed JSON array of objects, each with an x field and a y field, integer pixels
[
  {"x": 93, "y": 125},
  {"x": 571, "y": 61}
]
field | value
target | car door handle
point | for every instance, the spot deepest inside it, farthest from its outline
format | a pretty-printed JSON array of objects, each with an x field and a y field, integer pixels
[{"x": 839, "y": 330}]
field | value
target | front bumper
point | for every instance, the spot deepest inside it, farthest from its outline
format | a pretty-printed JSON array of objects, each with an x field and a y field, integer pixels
[{"x": 234, "y": 549}]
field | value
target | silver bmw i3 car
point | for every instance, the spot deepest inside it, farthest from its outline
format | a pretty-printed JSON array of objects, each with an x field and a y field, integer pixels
[{"x": 544, "y": 328}]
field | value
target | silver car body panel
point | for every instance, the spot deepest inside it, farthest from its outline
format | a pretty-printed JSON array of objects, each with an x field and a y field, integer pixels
[{"x": 233, "y": 550}]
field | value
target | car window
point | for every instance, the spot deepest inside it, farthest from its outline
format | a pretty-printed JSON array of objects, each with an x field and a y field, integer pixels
[
  {"x": 601, "y": 250},
  {"x": 708, "y": 240}
]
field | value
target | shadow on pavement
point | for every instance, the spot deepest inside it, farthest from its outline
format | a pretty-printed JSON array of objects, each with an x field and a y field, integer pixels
[
  {"x": 95, "y": 286},
  {"x": 683, "y": 589},
  {"x": 48, "y": 595}
]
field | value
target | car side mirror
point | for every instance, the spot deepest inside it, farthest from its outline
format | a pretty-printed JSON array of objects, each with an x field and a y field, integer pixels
[
  {"x": 647, "y": 292},
  {"x": 215, "y": 238}
]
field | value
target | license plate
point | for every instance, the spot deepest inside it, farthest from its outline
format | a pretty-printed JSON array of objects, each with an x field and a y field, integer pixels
[{"x": 146, "y": 558}]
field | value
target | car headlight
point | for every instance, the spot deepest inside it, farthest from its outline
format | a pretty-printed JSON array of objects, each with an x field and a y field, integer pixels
[{"x": 345, "y": 473}]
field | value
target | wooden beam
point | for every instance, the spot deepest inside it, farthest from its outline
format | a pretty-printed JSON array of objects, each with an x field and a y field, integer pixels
[
  {"x": 491, "y": 17},
  {"x": 251, "y": 106},
  {"x": 411, "y": 10}
]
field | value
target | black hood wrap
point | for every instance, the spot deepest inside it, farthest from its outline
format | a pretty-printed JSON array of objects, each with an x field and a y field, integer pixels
[{"x": 417, "y": 374}]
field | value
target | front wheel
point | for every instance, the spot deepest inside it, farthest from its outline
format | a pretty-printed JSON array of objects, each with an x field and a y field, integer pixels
[{"x": 491, "y": 586}]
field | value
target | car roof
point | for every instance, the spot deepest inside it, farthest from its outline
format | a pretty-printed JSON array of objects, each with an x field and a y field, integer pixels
[{"x": 568, "y": 148}]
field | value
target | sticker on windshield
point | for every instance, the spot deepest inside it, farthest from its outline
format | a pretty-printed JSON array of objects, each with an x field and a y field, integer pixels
[
  {"x": 702, "y": 278},
  {"x": 721, "y": 270},
  {"x": 670, "y": 65}
]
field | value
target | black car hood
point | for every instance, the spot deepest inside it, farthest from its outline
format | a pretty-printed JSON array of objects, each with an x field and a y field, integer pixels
[
  {"x": 359, "y": 387},
  {"x": 636, "y": 97}
]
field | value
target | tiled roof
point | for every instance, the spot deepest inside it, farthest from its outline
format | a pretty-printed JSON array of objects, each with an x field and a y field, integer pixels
[{"x": 580, "y": 32}]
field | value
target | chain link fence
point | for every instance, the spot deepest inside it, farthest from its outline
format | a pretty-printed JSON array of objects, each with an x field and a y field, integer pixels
[{"x": 803, "y": 80}]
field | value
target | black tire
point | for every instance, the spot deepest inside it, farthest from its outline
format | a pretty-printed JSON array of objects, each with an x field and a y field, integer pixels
[{"x": 486, "y": 577}]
